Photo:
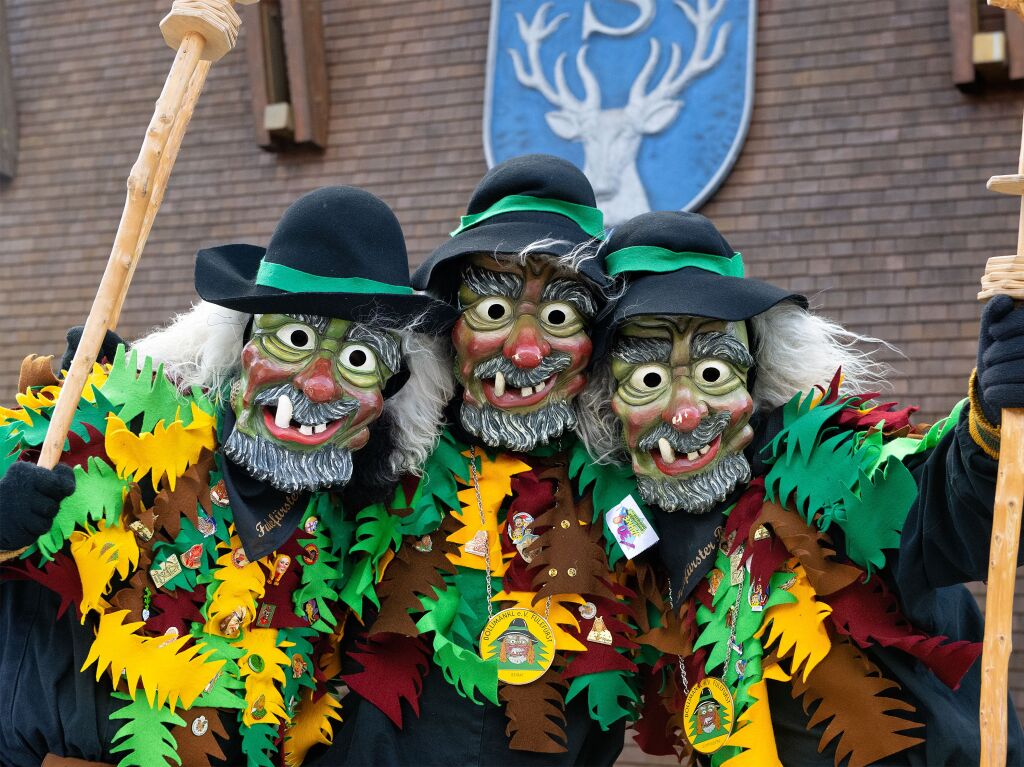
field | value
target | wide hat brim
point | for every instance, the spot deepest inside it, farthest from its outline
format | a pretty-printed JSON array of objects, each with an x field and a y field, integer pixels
[
  {"x": 700, "y": 293},
  {"x": 226, "y": 276},
  {"x": 500, "y": 235}
]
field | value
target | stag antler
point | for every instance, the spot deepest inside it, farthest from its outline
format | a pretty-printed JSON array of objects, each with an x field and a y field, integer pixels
[
  {"x": 535, "y": 33},
  {"x": 703, "y": 19}
]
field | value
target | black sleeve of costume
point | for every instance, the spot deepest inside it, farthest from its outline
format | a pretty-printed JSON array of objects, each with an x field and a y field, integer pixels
[{"x": 947, "y": 532}]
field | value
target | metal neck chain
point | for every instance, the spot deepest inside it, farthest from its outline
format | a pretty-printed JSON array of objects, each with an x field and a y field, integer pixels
[
  {"x": 732, "y": 633},
  {"x": 487, "y": 548}
]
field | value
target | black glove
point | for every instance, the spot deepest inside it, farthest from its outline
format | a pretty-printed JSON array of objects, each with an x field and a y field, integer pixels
[
  {"x": 107, "y": 349},
  {"x": 1001, "y": 358},
  {"x": 29, "y": 498}
]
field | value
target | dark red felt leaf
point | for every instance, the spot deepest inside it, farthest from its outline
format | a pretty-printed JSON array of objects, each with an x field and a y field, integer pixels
[
  {"x": 743, "y": 515},
  {"x": 870, "y": 614},
  {"x": 854, "y": 419},
  {"x": 59, "y": 575},
  {"x": 280, "y": 595},
  {"x": 652, "y": 727},
  {"x": 393, "y": 671},
  {"x": 766, "y": 557},
  {"x": 79, "y": 451},
  {"x": 178, "y": 608}
]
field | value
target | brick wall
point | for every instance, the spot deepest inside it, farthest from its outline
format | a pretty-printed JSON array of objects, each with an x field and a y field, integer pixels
[{"x": 861, "y": 181}]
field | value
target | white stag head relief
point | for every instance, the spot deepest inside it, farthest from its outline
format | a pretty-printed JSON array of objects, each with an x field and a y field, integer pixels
[{"x": 611, "y": 138}]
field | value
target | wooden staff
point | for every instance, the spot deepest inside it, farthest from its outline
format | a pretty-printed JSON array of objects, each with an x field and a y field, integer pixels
[
  {"x": 1003, "y": 275},
  {"x": 200, "y": 30}
]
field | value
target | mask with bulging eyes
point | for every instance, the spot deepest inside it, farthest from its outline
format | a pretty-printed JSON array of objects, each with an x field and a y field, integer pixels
[
  {"x": 682, "y": 400},
  {"x": 522, "y": 345},
  {"x": 309, "y": 389}
]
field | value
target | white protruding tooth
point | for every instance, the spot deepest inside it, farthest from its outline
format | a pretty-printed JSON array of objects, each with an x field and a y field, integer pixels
[
  {"x": 526, "y": 391},
  {"x": 704, "y": 450},
  {"x": 305, "y": 428},
  {"x": 284, "y": 412},
  {"x": 692, "y": 456},
  {"x": 320, "y": 428},
  {"x": 499, "y": 385},
  {"x": 668, "y": 455}
]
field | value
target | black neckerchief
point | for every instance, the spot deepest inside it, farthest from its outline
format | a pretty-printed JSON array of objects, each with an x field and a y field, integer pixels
[
  {"x": 264, "y": 516},
  {"x": 688, "y": 542}
]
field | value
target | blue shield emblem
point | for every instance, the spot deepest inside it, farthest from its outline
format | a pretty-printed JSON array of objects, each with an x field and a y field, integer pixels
[{"x": 652, "y": 98}]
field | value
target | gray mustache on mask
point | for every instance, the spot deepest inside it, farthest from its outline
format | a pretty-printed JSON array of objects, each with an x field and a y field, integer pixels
[
  {"x": 710, "y": 426},
  {"x": 304, "y": 410},
  {"x": 518, "y": 378}
]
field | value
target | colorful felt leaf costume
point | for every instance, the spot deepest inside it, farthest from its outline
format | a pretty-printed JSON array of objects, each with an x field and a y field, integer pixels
[
  {"x": 804, "y": 554},
  {"x": 189, "y": 633},
  {"x": 434, "y": 595}
]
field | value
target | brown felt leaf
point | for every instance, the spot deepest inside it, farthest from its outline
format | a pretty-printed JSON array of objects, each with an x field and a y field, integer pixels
[
  {"x": 130, "y": 596},
  {"x": 673, "y": 636},
  {"x": 36, "y": 371},
  {"x": 192, "y": 487},
  {"x": 411, "y": 574},
  {"x": 568, "y": 559},
  {"x": 198, "y": 749},
  {"x": 536, "y": 714},
  {"x": 810, "y": 546},
  {"x": 847, "y": 688}
]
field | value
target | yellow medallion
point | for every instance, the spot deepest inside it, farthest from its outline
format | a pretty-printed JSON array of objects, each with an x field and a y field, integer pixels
[
  {"x": 708, "y": 715},
  {"x": 523, "y": 642}
]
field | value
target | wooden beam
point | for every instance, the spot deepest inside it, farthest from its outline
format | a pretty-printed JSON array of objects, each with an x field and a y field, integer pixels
[
  {"x": 307, "y": 70},
  {"x": 254, "y": 32},
  {"x": 1015, "y": 44},
  {"x": 963, "y": 23},
  {"x": 8, "y": 110}
]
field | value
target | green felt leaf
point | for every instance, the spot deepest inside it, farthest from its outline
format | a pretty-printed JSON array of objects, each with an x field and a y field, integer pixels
[
  {"x": 814, "y": 480},
  {"x": 141, "y": 392},
  {"x": 359, "y": 587},
  {"x": 904, "y": 447},
  {"x": 471, "y": 614},
  {"x": 258, "y": 744},
  {"x": 426, "y": 515},
  {"x": 146, "y": 735},
  {"x": 464, "y": 669},
  {"x": 872, "y": 516},
  {"x": 10, "y": 447},
  {"x": 610, "y": 696},
  {"x": 99, "y": 494},
  {"x": 300, "y": 638},
  {"x": 320, "y": 581},
  {"x": 377, "y": 531},
  {"x": 228, "y": 689}
]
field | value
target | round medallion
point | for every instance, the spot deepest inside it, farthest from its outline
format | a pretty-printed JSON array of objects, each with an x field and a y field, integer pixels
[
  {"x": 523, "y": 642},
  {"x": 199, "y": 726},
  {"x": 708, "y": 715},
  {"x": 311, "y": 525},
  {"x": 258, "y": 710},
  {"x": 256, "y": 663},
  {"x": 588, "y": 610}
]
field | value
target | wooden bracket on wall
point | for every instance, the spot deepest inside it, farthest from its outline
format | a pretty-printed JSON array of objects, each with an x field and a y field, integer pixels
[
  {"x": 287, "y": 73},
  {"x": 984, "y": 49}
]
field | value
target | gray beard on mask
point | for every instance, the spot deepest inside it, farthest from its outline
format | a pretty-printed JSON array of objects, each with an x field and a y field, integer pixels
[
  {"x": 697, "y": 494},
  {"x": 518, "y": 432},
  {"x": 289, "y": 470}
]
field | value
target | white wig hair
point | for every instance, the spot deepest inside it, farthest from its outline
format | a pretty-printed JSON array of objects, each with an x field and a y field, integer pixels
[
  {"x": 794, "y": 351},
  {"x": 203, "y": 347}
]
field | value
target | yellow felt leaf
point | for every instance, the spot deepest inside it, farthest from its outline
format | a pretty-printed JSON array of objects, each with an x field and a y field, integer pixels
[
  {"x": 495, "y": 478},
  {"x": 46, "y": 396},
  {"x": 798, "y": 626},
  {"x": 167, "y": 451},
  {"x": 558, "y": 616},
  {"x": 98, "y": 555},
  {"x": 260, "y": 684},
  {"x": 382, "y": 565},
  {"x": 169, "y": 674},
  {"x": 754, "y": 733},
  {"x": 240, "y": 588},
  {"x": 311, "y": 726}
]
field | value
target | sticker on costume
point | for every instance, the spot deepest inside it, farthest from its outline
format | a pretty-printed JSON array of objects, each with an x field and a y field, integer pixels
[
  {"x": 630, "y": 527},
  {"x": 165, "y": 571},
  {"x": 521, "y": 534},
  {"x": 600, "y": 634},
  {"x": 311, "y": 611},
  {"x": 758, "y": 596},
  {"x": 708, "y": 715},
  {"x": 311, "y": 525},
  {"x": 143, "y": 532},
  {"x": 281, "y": 565},
  {"x": 299, "y": 666},
  {"x": 193, "y": 557},
  {"x": 523, "y": 642},
  {"x": 266, "y": 615},
  {"x": 207, "y": 525},
  {"x": 219, "y": 494}
]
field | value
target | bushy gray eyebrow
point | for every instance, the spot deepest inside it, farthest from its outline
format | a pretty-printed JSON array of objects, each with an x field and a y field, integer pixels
[
  {"x": 572, "y": 292},
  {"x": 722, "y": 346},
  {"x": 485, "y": 282},
  {"x": 315, "y": 321},
  {"x": 383, "y": 344},
  {"x": 636, "y": 349}
]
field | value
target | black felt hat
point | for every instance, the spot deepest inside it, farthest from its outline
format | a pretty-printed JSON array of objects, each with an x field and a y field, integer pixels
[
  {"x": 337, "y": 252},
  {"x": 679, "y": 263},
  {"x": 519, "y": 202}
]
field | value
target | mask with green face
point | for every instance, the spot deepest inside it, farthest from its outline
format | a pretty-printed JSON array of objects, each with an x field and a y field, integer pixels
[
  {"x": 681, "y": 398},
  {"x": 309, "y": 389},
  {"x": 522, "y": 344}
]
